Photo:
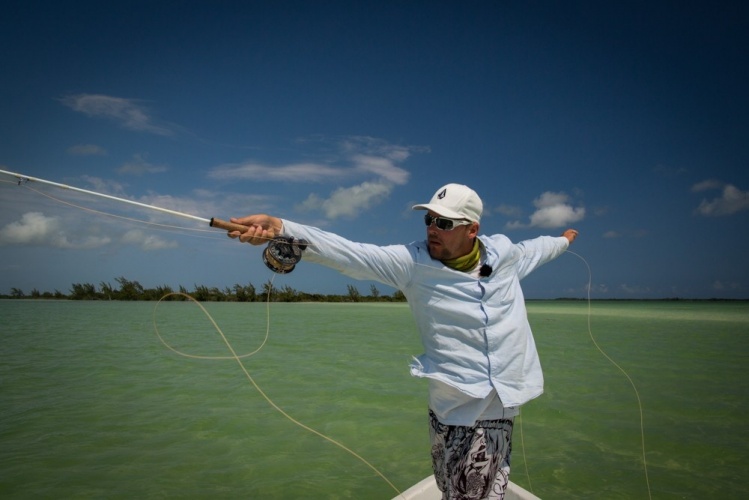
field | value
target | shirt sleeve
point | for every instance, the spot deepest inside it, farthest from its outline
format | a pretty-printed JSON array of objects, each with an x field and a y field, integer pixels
[
  {"x": 392, "y": 265},
  {"x": 539, "y": 251}
]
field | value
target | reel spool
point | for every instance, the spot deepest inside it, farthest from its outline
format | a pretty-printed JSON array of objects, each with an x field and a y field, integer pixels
[{"x": 282, "y": 254}]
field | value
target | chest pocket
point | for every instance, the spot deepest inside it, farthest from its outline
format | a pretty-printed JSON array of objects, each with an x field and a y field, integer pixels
[{"x": 502, "y": 287}]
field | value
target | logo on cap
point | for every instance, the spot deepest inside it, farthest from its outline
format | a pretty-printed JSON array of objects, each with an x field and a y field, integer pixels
[{"x": 442, "y": 193}]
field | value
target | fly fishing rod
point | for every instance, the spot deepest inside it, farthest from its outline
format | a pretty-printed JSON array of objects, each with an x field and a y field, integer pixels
[{"x": 281, "y": 255}]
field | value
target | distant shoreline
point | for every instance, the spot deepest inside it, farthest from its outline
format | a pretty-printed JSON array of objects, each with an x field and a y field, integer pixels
[{"x": 127, "y": 290}]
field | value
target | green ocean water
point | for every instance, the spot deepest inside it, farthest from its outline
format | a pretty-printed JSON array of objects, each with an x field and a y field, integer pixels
[{"x": 92, "y": 405}]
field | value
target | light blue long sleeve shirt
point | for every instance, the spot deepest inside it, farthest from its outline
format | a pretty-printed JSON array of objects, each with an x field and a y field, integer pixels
[{"x": 474, "y": 330}]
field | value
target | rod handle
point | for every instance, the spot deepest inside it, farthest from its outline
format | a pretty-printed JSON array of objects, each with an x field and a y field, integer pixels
[{"x": 229, "y": 226}]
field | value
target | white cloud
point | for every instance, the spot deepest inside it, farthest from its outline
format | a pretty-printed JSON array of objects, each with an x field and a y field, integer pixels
[
  {"x": 374, "y": 162},
  {"x": 553, "y": 210},
  {"x": 355, "y": 157},
  {"x": 378, "y": 147},
  {"x": 296, "y": 172},
  {"x": 556, "y": 216},
  {"x": 350, "y": 201},
  {"x": 87, "y": 150},
  {"x": 549, "y": 199},
  {"x": 731, "y": 200},
  {"x": 126, "y": 112},
  {"x": 147, "y": 242},
  {"x": 35, "y": 228},
  {"x": 382, "y": 167},
  {"x": 707, "y": 185}
]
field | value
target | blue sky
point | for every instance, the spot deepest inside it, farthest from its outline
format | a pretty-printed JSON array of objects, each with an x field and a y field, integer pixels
[{"x": 628, "y": 121}]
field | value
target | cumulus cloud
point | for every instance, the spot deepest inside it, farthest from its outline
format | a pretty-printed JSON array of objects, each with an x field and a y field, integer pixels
[
  {"x": 354, "y": 157},
  {"x": 348, "y": 202},
  {"x": 383, "y": 167},
  {"x": 378, "y": 147},
  {"x": 553, "y": 210},
  {"x": 707, "y": 185},
  {"x": 371, "y": 164},
  {"x": 87, "y": 150},
  {"x": 295, "y": 172},
  {"x": 127, "y": 112},
  {"x": 35, "y": 228},
  {"x": 731, "y": 200},
  {"x": 146, "y": 241}
]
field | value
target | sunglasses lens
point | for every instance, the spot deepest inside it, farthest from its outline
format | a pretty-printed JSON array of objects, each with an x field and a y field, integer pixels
[
  {"x": 444, "y": 224},
  {"x": 441, "y": 223}
]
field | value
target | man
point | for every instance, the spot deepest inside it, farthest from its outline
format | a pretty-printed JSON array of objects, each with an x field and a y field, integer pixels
[{"x": 464, "y": 293}]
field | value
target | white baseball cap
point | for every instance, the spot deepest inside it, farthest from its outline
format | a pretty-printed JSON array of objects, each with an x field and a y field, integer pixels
[{"x": 455, "y": 201}]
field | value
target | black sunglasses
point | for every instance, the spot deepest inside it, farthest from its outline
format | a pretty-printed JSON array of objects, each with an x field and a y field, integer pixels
[{"x": 443, "y": 223}]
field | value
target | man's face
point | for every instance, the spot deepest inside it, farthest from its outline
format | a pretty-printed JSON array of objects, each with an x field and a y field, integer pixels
[{"x": 445, "y": 245}]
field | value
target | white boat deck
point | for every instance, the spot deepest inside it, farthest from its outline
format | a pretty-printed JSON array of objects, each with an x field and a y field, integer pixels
[{"x": 426, "y": 489}]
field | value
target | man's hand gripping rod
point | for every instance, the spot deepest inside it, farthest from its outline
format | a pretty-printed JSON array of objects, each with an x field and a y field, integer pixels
[
  {"x": 229, "y": 226},
  {"x": 281, "y": 255}
]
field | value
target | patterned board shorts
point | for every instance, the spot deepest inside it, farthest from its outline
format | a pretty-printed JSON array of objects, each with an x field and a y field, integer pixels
[{"x": 471, "y": 463}]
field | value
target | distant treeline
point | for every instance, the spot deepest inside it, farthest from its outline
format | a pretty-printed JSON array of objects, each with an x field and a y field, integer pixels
[{"x": 132, "y": 290}]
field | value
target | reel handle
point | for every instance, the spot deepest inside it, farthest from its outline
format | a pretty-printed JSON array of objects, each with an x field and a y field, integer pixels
[{"x": 229, "y": 226}]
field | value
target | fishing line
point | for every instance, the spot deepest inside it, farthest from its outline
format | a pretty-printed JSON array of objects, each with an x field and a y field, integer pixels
[
  {"x": 23, "y": 179},
  {"x": 281, "y": 256},
  {"x": 634, "y": 387},
  {"x": 108, "y": 214},
  {"x": 213, "y": 322},
  {"x": 624, "y": 372},
  {"x": 525, "y": 457},
  {"x": 238, "y": 358}
]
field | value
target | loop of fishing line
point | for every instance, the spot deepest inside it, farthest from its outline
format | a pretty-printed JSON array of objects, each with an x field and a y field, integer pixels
[
  {"x": 238, "y": 358},
  {"x": 280, "y": 256},
  {"x": 624, "y": 372},
  {"x": 215, "y": 325}
]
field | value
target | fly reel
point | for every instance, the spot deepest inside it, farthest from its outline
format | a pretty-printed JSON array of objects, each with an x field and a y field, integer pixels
[{"x": 282, "y": 254}]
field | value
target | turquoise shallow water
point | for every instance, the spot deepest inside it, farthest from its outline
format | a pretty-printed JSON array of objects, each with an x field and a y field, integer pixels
[{"x": 94, "y": 406}]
